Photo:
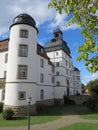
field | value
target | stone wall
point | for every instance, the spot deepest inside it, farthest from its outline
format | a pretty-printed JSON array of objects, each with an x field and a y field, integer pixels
[
  {"x": 79, "y": 99},
  {"x": 48, "y": 102},
  {"x": 22, "y": 110}
]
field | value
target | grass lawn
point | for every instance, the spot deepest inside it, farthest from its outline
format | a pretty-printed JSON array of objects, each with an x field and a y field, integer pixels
[
  {"x": 49, "y": 114},
  {"x": 86, "y": 113},
  {"x": 81, "y": 126}
]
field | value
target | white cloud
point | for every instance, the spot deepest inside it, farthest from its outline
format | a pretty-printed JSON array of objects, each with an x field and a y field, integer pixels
[
  {"x": 10, "y": 9},
  {"x": 58, "y": 20},
  {"x": 92, "y": 76},
  {"x": 38, "y": 9}
]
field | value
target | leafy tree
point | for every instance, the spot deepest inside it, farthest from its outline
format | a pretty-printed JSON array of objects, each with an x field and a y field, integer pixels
[
  {"x": 85, "y": 14},
  {"x": 93, "y": 86},
  {"x": 2, "y": 84}
]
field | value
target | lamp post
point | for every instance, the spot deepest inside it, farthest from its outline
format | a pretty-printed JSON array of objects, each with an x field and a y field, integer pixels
[{"x": 29, "y": 101}]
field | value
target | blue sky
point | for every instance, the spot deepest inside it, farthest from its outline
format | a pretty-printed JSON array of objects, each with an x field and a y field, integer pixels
[{"x": 47, "y": 20}]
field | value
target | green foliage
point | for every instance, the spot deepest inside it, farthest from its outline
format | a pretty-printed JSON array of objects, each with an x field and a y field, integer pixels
[
  {"x": 85, "y": 15},
  {"x": 91, "y": 103},
  {"x": 46, "y": 115},
  {"x": 2, "y": 84},
  {"x": 1, "y": 107},
  {"x": 8, "y": 114},
  {"x": 93, "y": 86}
]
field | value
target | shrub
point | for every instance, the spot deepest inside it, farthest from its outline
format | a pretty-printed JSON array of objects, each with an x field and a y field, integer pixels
[
  {"x": 8, "y": 114},
  {"x": 40, "y": 107},
  {"x": 67, "y": 100},
  {"x": 1, "y": 107},
  {"x": 91, "y": 103}
]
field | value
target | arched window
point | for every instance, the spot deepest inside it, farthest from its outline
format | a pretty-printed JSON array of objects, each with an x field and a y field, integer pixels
[{"x": 41, "y": 94}]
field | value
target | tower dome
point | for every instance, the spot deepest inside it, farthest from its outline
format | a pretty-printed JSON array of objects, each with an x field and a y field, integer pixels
[{"x": 24, "y": 19}]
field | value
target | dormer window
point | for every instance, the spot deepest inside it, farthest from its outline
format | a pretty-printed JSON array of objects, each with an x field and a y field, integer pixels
[{"x": 53, "y": 40}]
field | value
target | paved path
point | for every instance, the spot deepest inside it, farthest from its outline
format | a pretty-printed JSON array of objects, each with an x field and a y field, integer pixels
[{"x": 68, "y": 118}]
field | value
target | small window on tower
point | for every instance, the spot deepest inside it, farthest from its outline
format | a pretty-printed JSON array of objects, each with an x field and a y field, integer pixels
[
  {"x": 24, "y": 33},
  {"x": 22, "y": 72},
  {"x": 22, "y": 95},
  {"x": 6, "y": 58},
  {"x": 23, "y": 50}
]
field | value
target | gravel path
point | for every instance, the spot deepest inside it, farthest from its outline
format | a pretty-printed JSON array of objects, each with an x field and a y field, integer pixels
[{"x": 69, "y": 117}]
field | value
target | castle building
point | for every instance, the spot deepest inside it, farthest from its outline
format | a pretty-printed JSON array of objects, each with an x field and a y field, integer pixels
[{"x": 27, "y": 69}]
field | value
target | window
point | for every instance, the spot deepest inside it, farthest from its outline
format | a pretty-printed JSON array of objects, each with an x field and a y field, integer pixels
[
  {"x": 41, "y": 77},
  {"x": 24, "y": 33},
  {"x": 52, "y": 79},
  {"x": 22, "y": 95},
  {"x": 66, "y": 63},
  {"x": 23, "y": 50},
  {"x": 6, "y": 58},
  {"x": 22, "y": 71},
  {"x": 57, "y": 73},
  {"x": 78, "y": 77},
  {"x": 57, "y": 64},
  {"x": 58, "y": 83},
  {"x": 67, "y": 71},
  {"x": 52, "y": 69},
  {"x": 53, "y": 40},
  {"x": 57, "y": 53},
  {"x": 5, "y": 74},
  {"x": 42, "y": 94},
  {"x": 41, "y": 63},
  {"x": 78, "y": 72}
]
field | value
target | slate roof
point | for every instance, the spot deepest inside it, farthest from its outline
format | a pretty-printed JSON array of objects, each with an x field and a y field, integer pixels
[
  {"x": 76, "y": 69},
  {"x": 4, "y": 45},
  {"x": 57, "y": 44},
  {"x": 40, "y": 49},
  {"x": 24, "y": 19}
]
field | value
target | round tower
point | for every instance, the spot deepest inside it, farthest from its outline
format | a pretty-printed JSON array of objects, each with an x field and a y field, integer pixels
[{"x": 21, "y": 69}]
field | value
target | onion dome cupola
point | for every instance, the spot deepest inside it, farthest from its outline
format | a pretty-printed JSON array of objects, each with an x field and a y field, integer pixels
[{"x": 24, "y": 19}]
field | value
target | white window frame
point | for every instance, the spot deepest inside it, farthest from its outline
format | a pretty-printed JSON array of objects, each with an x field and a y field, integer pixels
[
  {"x": 42, "y": 78},
  {"x": 22, "y": 72},
  {"x": 22, "y": 95},
  {"x": 23, "y": 50},
  {"x": 23, "y": 33},
  {"x": 41, "y": 94},
  {"x": 42, "y": 63},
  {"x": 6, "y": 57}
]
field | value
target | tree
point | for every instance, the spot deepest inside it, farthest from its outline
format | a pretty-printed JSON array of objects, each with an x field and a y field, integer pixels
[
  {"x": 2, "y": 84},
  {"x": 85, "y": 14},
  {"x": 93, "y": 86}
]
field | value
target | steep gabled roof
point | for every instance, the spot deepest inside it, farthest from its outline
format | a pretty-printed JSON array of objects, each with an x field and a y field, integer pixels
[
  {"x": 4, "y": 45},
  {"x": 76, "y": 69},
  {"x": 41, "y": 51}
]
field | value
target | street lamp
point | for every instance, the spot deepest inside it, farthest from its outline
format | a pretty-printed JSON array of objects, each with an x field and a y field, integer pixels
[{"x": 29, "y": 101}]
